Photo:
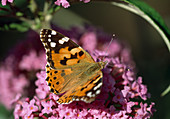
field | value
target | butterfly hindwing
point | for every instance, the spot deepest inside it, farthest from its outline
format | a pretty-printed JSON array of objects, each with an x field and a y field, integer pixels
[
  {"x": 86, "y": 92},
  {"x": 55, "y": 79}
]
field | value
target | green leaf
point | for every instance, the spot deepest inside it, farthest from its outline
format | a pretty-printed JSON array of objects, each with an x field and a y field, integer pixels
[
  {"x": 32, "y": 6},
  {"x": 23, "y": 27},
  {"x": 19, "y": 14},
  {"x": 149, "y": 14}
]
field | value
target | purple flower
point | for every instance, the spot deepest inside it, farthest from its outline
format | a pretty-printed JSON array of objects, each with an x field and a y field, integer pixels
[
  {"x": 30, "y": 62},
  {"x": 129, "y": 106},
  {"x": 5, "y": 1},
  {"x": 142, "y": 111},
  {"x": 139, "y": 88},
  {"x": 28, "y": 108},
  {"x": 29, "y": 117},
  {"x": 151, "y": 108},
  {"x": 18, "y": 96},
  {"x": 84, "y": 40},
  {"x": 64, "y": 3},
  {"x": 9, "y": 87},
  {"x": 81, "y": 114},
  {"x": 17, "y": 111},
  {"x": 85, "y": 1},
  {"x": 42, "y": 89},
  {"x": 52, "y": 117},
  {"x": 120, "y": 115},
  {"x": 47, "y": 107},
  {"x": 118, "y": 97}
]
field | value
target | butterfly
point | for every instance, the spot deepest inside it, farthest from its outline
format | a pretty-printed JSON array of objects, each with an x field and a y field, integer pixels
[{"x": 71, "y": 71}]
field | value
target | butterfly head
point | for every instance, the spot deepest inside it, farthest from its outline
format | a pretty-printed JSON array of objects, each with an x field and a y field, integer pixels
[{"x": 102, "y": 64}]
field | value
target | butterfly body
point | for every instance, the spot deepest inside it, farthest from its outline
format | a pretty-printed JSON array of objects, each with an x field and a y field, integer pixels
[{"x": 71, "y": 71}]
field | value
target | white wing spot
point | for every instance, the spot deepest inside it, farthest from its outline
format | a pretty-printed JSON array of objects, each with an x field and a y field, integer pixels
[
  {"x": 89, "y": 94},
  {"x": 53, "y": 44},
  {"x": 98, "y": 86},
  {"x": 47, "y": 50},
  {"x": 61, "y": 41},
  {"x": 82, "y": 98},
  {"x": 49, "y": 35},
  {"x": 66, "y": 39},
  {"x": 42, "y": 36},
  {"x": 53, "y": 33},
  {"x": 97, "y": 92},
  {"x": 49, "y": 65},
  {"x": 49, "y": 40},
  {"x": 77, "y": 99}
]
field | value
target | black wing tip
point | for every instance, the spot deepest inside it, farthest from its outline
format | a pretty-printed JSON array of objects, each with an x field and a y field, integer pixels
[{"x": 45, "y": 31}]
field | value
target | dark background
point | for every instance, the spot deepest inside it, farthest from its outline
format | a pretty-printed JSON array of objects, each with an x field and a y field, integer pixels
[{"x": 148, "y": 48}]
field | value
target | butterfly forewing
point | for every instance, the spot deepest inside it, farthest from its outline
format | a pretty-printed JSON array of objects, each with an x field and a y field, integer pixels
[
  {"x": 70, "y": 69},
  {"x": 61, "y": 51}
]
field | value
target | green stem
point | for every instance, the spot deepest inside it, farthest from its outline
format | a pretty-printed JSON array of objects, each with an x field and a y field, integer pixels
[{"x": 166, "y": 91}]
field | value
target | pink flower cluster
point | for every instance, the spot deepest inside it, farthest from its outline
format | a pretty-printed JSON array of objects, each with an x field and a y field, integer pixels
[
  {"x": 17, "y": 71},
  {"x": 12, "y": 83}
]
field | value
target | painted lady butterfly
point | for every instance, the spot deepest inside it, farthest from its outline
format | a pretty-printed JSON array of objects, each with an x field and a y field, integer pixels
[{"x": 71, "y": 71}]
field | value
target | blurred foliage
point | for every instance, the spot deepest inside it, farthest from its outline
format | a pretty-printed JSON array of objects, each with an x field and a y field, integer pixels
[{"x": 5, "y": 114}]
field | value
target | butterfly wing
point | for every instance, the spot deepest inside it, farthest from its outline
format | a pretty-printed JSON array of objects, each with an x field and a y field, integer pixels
[
  {"x": 56, "y": 80},
  {"x": 65, "y": 63},
  {"x": 86, "y": 92},
  {"x": 61, "y": 51}
]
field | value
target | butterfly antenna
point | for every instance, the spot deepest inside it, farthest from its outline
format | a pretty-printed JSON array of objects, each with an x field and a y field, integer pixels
[{"x": 109, "y": 45}]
